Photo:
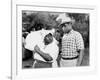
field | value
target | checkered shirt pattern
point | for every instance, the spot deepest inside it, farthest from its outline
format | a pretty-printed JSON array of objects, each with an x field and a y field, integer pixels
[{"x": 71, "y": 42}]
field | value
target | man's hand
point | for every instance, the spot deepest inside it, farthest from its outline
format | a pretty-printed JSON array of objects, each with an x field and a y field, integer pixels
[{"x": 81, "y": 54}]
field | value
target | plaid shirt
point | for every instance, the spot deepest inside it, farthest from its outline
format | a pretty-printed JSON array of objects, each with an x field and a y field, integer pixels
[{"x": 71, "y": 43}]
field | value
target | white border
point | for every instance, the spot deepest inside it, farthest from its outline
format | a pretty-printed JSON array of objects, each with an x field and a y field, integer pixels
[{"x": 18, "y": 73}]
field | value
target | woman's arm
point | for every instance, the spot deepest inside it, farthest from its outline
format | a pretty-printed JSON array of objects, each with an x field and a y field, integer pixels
[{"x": 46, "y": 56}]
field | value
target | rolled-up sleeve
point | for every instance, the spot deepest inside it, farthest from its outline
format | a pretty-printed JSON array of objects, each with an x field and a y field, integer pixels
[{"x": 31, "y": 40}]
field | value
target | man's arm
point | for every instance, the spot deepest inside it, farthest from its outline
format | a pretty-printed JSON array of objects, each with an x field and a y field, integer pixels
[
  {"x": 46, "y": 56},
  {"x": 81, "y": 54},
  {"x": 80, "y": 48}
]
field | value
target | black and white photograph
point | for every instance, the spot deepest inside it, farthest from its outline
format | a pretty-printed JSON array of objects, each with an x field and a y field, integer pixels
[
  {"x": 55, "y": 39},
  {"x": 52, "y": 40}
]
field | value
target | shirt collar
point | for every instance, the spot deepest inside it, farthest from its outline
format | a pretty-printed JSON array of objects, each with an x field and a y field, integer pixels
[{"x": 70, "y": 32}]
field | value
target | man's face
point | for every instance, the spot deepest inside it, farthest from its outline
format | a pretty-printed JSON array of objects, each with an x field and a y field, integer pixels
[{"x": 66, "y": 27}]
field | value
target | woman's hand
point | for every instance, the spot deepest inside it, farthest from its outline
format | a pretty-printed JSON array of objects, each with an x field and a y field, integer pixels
[{"x": 36, "y": 48}]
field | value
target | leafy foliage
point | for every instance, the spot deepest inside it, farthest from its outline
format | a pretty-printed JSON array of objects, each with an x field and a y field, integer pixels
[{"x": 33, "y": 21}]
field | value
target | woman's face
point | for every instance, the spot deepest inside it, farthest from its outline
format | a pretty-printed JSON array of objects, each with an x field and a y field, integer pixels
[{"x": 48, "y": 39}]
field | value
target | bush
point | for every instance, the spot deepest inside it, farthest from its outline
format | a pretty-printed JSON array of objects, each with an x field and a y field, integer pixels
[{"x": 38, "y": 20}]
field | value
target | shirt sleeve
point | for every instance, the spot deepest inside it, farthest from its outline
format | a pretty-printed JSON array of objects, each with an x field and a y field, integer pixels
[
  {"x": 79, "y": 41},
  {"x": 31, "y": 41}
]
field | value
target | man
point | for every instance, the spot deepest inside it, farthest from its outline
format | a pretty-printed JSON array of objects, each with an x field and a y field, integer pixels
[
  {"x": 72, "y": 44},
  {"x": 35, "y": 43}
]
